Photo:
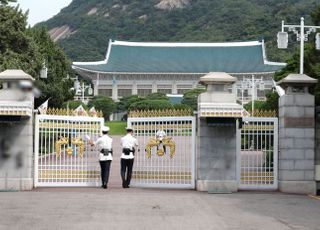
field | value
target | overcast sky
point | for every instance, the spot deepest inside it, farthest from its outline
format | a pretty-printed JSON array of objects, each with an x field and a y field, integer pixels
[{"x": 41, "y": 10}]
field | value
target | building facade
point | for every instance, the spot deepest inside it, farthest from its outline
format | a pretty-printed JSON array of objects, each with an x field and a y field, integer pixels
[{"x": 146, "y": 67}]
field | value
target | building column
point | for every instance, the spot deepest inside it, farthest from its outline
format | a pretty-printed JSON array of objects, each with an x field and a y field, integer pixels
[
  {"x": 95, "y": 88},
  {"x": 134, "y": 88},
  {"x": 154, "y": 87},
  {"x": 174, "y": 88},
  {"x": 115, "y": 92}
]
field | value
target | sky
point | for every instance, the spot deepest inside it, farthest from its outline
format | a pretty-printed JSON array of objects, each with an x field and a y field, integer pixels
[{"x": 41, "y": 10}]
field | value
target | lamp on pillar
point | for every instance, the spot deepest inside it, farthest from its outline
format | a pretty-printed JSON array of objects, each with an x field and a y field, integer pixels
[{"x": 297, "y": 83}]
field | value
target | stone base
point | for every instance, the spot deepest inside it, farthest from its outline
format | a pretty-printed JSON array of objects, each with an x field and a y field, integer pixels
[
  {"x": 16, "y": 184},
  {"x": 298, "y": 187},
  {"x": 217, "y": 186}
]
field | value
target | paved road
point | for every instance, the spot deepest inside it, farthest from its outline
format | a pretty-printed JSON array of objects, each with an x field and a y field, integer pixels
[{"x": 116, "y": 208}]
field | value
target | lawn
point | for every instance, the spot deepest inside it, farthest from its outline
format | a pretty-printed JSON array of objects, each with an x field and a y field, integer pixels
[{"x": 117, "y": 127}]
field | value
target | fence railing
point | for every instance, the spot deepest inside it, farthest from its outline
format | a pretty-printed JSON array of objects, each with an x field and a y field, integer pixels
[
  {"x": 73, "y": 112},
  {"x": 161, "y": 113},
  {"x": 263, "y": 113}
]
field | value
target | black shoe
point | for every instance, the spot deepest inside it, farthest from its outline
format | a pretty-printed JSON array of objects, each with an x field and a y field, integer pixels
[{"x": 105, "y": 186}]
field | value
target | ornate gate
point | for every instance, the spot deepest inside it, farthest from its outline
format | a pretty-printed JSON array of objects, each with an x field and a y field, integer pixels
[
  {"x": 258, "y": 145},
  {"x": 167, "y": 152},
  {"x": 62, "y": 154}
]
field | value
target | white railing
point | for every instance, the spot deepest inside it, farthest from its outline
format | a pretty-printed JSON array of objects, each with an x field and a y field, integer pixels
[
  {"x": 166, "y": 171},
  {"x": 221, "y": 110},
  {"x": 70, "y": 163},
  {"x": 258, "y": 153},
  {"x": 13, "y": 108}
]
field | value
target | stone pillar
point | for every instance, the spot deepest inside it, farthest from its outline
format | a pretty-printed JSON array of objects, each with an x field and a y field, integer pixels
[
  {"x": 317, "y": 154},
  {"x": 16, "y": 135},
  {"x": 297, "y": 136},
  {"x": 217, "y": 135}
]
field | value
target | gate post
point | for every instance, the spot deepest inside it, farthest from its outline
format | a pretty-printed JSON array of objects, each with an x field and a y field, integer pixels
[
  {"x": 217, "y": 135},
  {"x": 16, "y": 135},
  {"x": 297, "y": 135}
]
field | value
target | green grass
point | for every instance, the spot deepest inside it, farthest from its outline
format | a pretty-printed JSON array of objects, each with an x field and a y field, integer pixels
[{"x": 117, "y": 127}]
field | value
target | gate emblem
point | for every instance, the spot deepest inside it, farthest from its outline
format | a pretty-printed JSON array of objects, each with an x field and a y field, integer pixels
[
  {"x": 161, "y": 141},
  {"x": 65, "y": 141}
]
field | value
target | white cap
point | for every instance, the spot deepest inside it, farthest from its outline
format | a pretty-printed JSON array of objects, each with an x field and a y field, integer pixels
[
  {"x": 105, "y": 129},
  {"x": 129, "y": 128}
]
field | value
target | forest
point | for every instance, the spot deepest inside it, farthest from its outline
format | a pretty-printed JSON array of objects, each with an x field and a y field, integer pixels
[{"x": 92, "y": 23}]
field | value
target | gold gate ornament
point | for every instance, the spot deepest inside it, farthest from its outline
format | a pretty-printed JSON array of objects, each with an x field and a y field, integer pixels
[
  {"x": 64, "y": 141},
  {"x": 161, "y": 141}
]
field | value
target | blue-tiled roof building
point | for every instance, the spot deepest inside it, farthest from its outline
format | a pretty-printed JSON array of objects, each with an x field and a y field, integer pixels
[{"x": 145, "y": 67}]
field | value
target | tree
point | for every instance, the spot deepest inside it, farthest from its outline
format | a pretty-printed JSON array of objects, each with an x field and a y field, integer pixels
[
  {"x": 125, "y": 102},
  {"x": 190, "y": 98},
  {"x": 17, "y": 49},
  {"x": 157, "y": 96},
  {"x": 271, "y": 102},
  {"x": 74, "y": 104},
  {"x": 56, "y": 86},
  {"x": 104, "y": 104},
  {"x": 28, "y": 49},
  {"x": 6, "y": 2},
  {"x": 151, "y": 105}
]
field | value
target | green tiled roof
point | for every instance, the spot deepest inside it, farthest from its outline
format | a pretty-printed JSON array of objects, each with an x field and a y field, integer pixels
[{"x": 141, "y": 57}]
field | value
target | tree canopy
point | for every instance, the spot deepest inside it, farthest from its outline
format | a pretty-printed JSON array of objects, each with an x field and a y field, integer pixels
[
  {"x": 104, "y": 104},
  {"x": 27, "y": 49}
]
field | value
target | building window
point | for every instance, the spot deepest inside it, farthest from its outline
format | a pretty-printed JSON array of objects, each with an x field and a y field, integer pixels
[
  {"x": 183, "y": 88},
  {"x": 124, "y": 92},
  {"x": 105, "y": 92},
  {"x": 182, "y": 91},
  {"x": 165, "y": 91},
  {"x": 144, "y": 92}
]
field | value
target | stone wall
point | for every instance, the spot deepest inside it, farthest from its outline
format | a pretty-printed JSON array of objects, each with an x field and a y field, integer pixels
[
  {"x": 297, "y": 144},
  {"x": 216, "y": 158},
  {"x": 317, "y": 153},
  {"x": 16, "y": 166}
]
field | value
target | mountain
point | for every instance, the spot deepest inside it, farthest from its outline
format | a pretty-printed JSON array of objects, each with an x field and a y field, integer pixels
[{"x": 84, "y": 28}]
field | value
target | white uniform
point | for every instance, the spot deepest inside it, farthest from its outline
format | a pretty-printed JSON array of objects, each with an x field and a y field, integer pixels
[
  {"x": 128, "y": 141},
  {"x": 104, "y": 142}
]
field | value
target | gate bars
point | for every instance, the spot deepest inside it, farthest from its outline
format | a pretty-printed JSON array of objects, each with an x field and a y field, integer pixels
[
  {"x": 62, "y": 154},
  {"x": 164, "y": 171},
  {"x": 258, "y": 146}
]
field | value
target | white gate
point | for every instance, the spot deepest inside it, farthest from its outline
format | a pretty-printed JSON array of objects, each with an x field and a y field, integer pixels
[
  {"x": 258, "y": 145},
  {"x": 62, "y": 154},
  {"x": 172, "y": 160}
]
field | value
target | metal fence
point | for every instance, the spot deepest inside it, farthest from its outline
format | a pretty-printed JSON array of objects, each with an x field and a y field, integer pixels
[
  {"x": 164, "y": 161},
  {"x": 258, "y": 165},
  {"x": 62, "y": 154}
]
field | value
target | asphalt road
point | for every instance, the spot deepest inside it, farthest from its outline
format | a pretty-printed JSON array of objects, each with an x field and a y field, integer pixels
[{"x": 117, "y": 208}]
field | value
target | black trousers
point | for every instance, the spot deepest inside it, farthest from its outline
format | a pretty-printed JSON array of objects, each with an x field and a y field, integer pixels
[
  {"x": 126, "y": 171},
  {"x": 105, "y": 169}
]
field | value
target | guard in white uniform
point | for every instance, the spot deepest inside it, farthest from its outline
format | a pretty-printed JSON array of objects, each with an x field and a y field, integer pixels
[
  {"x": 104, "y": 144},
  {"x": 129, "y": 145}
]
